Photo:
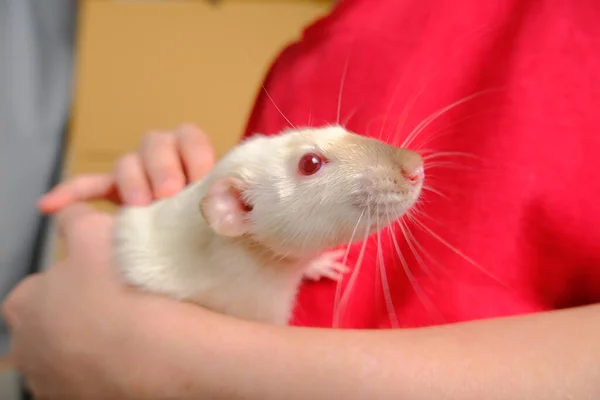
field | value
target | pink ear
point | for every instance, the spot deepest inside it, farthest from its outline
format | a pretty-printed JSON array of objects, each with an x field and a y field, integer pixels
[{"x": 224, "y": 209}]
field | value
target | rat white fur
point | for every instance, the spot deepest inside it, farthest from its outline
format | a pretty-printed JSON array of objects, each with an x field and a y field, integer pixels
[{"x": 239, "y": 241}]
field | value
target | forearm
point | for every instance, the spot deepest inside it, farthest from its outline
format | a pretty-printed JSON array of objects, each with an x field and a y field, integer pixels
[{"x": 547, "y": 356}]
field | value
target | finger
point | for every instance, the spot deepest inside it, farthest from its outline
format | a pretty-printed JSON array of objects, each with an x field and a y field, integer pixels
[
  {"x": 132, "y": 183},
  {"x": 162, "y": 162},
  {"x": 77, "y": 221},
  {"x": 88, "y": 236},
  {"x": 81, "y": 188},
  {"x": 196, "y": 151}
]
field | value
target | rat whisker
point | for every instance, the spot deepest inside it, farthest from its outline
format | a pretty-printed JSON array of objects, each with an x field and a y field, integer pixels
[
  {"x": 277, "y": 108},
  {"x": 434, "y": 116},
  {"x": 413, "y": 245},
  {"x": 341, "y": 91},
  {"x": 428, "y": 166},
  {"x": 370, "y": 123},
  {"x": 368, "y": 127},
  {"x": 415, "y": 209},
  {"x": 437, "y": 154},
  {"x": 338, "y": 287},
  {"x": 453, "y": 127},
  {"x": 432, "y": 190},
  {"x": 419, "y": 202},
  {"x": 436, "y": 181},
  {"x": 410, "y": 105},
  {"x": 422, "y": 226},
  {"x": 411, "y": 238},
  {"x": 347, "y": 291},
  {"x": 391, "y": 104},
  {"x": 350, "y": 116},
  {"x": 411, "y": 277},
  {"x": 431, "y": 164},
  {"x": 389, "y": 302},
  {"x": 352, "y": 237},
  {"x": 435, "y": 72},
  {"x": 422, "y": 200}
]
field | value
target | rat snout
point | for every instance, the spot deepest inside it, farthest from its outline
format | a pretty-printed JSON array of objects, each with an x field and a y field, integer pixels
[{"x": 410, "y": 164}]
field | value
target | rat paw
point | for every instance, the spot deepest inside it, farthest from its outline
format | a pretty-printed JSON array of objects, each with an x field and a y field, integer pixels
[{"x": 327, "y": 265}]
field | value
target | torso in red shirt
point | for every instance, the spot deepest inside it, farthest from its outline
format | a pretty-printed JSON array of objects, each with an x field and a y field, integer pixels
[{"x": 525, "y": 209}]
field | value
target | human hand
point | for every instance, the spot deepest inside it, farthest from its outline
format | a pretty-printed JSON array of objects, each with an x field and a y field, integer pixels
[
  {"x": 162, "y": 166},
  {"x": 78, "y": 332},
  {"x": 49, "y": 313}
]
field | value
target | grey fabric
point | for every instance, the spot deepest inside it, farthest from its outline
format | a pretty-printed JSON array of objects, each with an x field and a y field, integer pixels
[
  {"x": 9, "y": 385},
  {"x": 36, "y": 65}
]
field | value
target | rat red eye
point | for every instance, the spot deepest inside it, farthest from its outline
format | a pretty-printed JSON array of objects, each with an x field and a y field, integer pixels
[{"x": 310, "y": 164}]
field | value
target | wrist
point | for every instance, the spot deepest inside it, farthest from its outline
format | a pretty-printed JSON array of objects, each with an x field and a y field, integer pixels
[
  {"x": 171, "y": 349},
  {"x": 146, "y": 358}
]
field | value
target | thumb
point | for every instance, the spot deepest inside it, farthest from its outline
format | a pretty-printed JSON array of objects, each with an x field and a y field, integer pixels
[{"x": 88, "y": 235}]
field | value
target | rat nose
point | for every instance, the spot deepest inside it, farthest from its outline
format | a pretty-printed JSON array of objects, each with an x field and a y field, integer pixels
[
  {"x": 411, "y": 165},
  {"x": 414, "y": 176}
]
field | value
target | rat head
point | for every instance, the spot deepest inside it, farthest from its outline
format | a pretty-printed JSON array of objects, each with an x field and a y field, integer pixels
[{"x": 308, "y": 190}]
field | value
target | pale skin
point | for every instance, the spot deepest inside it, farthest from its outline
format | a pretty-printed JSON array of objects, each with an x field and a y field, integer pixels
[{"x": 79, "y": 333}]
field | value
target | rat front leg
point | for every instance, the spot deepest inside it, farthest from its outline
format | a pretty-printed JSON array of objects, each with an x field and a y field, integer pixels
[{"x": 327, "y": 265}]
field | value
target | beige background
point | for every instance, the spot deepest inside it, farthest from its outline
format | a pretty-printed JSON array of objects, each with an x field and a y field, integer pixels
[{"x": 155, "y": 64}]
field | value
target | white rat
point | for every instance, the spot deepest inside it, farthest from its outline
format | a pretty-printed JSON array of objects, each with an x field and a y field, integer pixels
[{"x": 240, "y": 240}]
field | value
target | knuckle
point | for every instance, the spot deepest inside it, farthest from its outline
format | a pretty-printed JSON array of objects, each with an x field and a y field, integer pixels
[
  {"x": 151, "y": 136},
  {"x": 156, "y": 138},
  {"x": 189, "y": 130},
  {"x": 126, "y": 162}
]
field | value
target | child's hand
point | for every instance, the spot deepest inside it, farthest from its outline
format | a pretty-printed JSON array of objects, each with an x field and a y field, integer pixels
[{"x": 164, "y": 164}]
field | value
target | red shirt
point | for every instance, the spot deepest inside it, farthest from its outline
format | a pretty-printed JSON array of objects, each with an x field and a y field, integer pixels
[{"x": 525, "y": 210}]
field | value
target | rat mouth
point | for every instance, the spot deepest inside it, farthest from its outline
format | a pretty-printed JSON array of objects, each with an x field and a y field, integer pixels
[
  {"x": 389, "y": 213},
  {"x": 385, "y": 206},
  {"x": 384, "y": 199}
]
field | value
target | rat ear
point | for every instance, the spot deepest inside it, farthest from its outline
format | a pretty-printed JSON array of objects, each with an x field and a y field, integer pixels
[{"x": 224, "y": 209}]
